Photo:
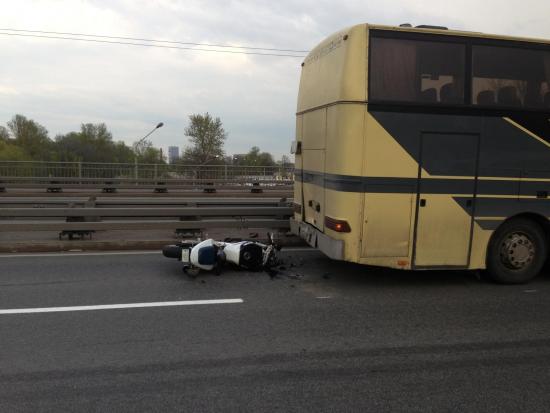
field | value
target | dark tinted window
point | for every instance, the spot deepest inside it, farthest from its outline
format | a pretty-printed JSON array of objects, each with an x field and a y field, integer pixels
[
  {"x": 417, "y": 71},
  {"x": 511, "y": 77}
]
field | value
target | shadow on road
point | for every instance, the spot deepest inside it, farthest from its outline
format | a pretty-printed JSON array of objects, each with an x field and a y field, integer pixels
[{"x": 317, "y": 267}]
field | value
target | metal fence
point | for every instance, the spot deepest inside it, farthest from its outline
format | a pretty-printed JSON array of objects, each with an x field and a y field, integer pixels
[
  {"x": 93, "y": 215},
  {"x": 141, "y": 171}
]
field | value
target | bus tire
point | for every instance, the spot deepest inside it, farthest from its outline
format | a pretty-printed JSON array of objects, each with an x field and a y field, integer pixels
[{"x": 516, "y": 252}]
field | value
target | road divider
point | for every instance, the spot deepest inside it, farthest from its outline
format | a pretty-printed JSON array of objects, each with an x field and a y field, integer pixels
[{"x": 83, "y": 221}]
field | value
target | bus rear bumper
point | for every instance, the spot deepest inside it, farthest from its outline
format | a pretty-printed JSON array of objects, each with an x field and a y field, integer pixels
[{"x": 332, "y": 248}]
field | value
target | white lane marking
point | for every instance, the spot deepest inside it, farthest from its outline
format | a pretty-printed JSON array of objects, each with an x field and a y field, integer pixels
[
  {"x": 118, "y": 306},
  {"x": 324, "y": 297},
  {"x": 79, "y": 254}
]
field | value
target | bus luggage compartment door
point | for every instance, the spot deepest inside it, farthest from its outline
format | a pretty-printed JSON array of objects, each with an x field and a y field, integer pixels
[
  {"x": 313, "y": 187},
  {"x": 446, "y": 199}
]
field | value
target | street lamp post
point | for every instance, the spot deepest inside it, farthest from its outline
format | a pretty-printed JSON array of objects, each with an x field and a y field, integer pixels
[
  {"x": 139, "y": 142},
  {"x": 210, "y": 159},
  {"x": 159, "y": 125}
]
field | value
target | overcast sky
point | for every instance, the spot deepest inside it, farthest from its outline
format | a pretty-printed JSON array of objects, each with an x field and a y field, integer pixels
[{"x": 62, "y": 84}]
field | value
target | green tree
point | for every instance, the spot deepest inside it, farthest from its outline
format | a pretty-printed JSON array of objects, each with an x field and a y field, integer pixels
[
  {"x": 11, "y": 152},
  {"x": 94, "y": 143},
  {"x": 145, "y": 152},
  {"x": 256, "y": 158},
  {"x": 4, "y": 134},
  {"x": 97, "y": 143},
  {"x": 97, "y": 133},
  {"x": 70, "y": 148},
  {"x": 123, "y": 153},
  {"x": 285, "y": 160},
  {"x": 31, "y": 137},
  {"x": 207, "y": 138}
]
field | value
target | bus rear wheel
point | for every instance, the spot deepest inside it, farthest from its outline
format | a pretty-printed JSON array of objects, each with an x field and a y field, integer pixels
[{"x": 517, "y": 252}]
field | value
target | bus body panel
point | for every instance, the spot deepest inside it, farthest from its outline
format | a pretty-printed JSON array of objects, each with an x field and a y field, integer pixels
[
  {"x": 313, "y": 140},
  {"x": 339, "y": 64},
  {"x": 346, "y": 205},
  {"x": 345, "y": 148},
  {"x": 442, "y": 234},
  {"x": 387, "y": 226},
  {"x": 480, "y": 241},
  {"x": 443, "y": 229},
  {"x": 388, "y": 214},
  {"x": 335, "y": 70},
  {"x": 345, "y": 140},
  {"x": 313, "y": 187}
]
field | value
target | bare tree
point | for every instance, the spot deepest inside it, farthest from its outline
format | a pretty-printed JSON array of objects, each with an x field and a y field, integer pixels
[{"x": 207, "y": 138}]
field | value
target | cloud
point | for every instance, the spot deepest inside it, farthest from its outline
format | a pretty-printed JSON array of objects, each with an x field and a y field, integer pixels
[{"x": 63, "y": 83}]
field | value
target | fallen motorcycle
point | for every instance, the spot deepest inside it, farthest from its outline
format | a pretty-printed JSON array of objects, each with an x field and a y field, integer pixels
[{"x": 211, "y": 255}]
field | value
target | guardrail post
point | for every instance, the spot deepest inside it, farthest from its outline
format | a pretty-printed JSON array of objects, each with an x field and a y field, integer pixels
[
  {"x": 80, "y": 169},
  {"x": 225, "y": 172},
  {"x": 210, "y": 188},
  {"x": 135, "y": 169},
  {"x": 256, "y": 188}
]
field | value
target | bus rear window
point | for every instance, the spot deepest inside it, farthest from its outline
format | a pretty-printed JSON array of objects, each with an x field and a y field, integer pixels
[
  {"x": 510, "y": 77},
  {"x": 417, "y": 71}
]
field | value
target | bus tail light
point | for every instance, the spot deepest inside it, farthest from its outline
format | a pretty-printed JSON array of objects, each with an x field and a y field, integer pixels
[{"x": 338, "y": 225}]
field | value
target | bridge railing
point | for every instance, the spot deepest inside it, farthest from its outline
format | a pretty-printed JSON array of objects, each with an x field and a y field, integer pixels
[
  {"x": 91, "y": 216},
  {"x": 141, "y": 171}
]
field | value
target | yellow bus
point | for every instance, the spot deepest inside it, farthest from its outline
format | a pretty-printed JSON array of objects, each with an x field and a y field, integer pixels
[{"x": 425, "y": 148}]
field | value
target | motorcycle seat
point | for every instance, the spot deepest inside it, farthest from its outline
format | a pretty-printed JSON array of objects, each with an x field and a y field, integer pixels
[{"x": 207, "y": 255}]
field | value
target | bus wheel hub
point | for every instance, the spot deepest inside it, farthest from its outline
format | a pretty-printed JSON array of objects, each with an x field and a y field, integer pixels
[{"x": 517, "y": 251}]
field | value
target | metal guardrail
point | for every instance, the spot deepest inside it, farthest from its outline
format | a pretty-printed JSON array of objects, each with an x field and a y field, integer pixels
[
  {"x": 95, "y": 216},
  {"x": 59, "y": 184},
  {"x": 140, "y": 171},
  {"x": 101, "y": 213},
  {"x": 140, "y": 181},
  {"x": 133, "y": 201},
  {"x": 281, "y": 224}
]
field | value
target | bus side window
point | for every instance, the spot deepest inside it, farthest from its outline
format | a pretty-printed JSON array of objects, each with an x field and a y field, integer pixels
[
  {"x": 508, "y": 96},
  {"x": 517, "y": 78},
  {"x": 486, "y": 98},
  {"x": 415, "y": 71},
  {"x": 546, "y": 93},
  {"x": 449, "y": 93},
  {"x": 428, "y": 95}
]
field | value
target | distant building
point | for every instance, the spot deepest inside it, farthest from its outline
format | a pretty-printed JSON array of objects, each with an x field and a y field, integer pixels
[{"x": 173, "y": 154}]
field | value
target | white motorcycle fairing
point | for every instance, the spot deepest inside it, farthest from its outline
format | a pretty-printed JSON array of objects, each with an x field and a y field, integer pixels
[{"x": 204, "y": 255}]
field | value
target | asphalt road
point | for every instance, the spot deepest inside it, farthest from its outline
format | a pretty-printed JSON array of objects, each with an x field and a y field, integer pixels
[{"x": 338, "y": 337}]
